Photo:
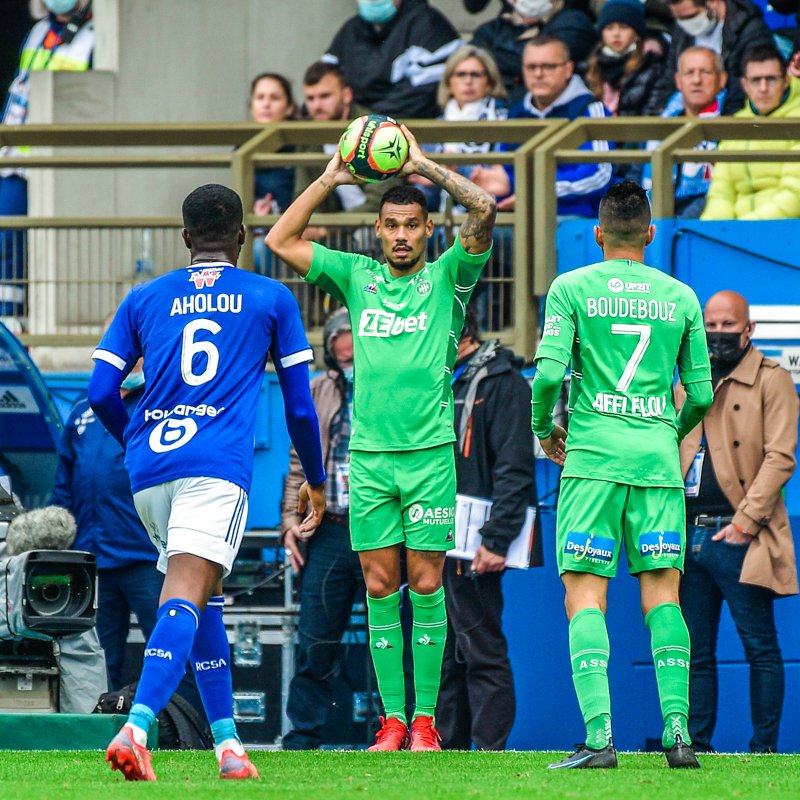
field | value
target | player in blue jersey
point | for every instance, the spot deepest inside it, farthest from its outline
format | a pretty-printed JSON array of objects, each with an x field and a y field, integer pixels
[{"x": 205, "y": 332}]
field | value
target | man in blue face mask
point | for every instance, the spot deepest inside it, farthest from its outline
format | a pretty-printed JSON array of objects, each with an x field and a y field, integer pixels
[
  {"x": 739, "y": 546},
  {"x": 377, "y": 11},
  {"x": 91, "y": 481},
  {"x": 393, "y": 55}
]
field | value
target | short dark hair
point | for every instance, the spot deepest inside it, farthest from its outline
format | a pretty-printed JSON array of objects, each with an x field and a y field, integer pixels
[
  {"x": 319, "y": 69},
  {"x": 697, "y": 3},
  {"x": 404, "y": 195},
  {"x": 212, "y": 215},
  {"x": 544, "y": 39},
  {"x": 762, "y": 52},
  {"x": 472, "y": 325},
  {"x": 282, "y": 80},
  {"x": 624, "y": 214}
]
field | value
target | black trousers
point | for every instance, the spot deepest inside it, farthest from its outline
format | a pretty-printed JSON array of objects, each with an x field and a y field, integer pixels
[
  {"x": 332, "y": 580},
  {"x": 476, "y": 699}
]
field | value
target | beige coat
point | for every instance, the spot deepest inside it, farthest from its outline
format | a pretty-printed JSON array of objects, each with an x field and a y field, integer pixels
[
  {"x": 328, "y": 400},
  {"x": 751, "y": 433}
]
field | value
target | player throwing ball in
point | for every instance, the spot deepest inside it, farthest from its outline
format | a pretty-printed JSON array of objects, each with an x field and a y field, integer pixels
[
  {"x": 205, "y": 332},
  {"x": 623, "y": 327},
  {"x": 406, "y": 317}
]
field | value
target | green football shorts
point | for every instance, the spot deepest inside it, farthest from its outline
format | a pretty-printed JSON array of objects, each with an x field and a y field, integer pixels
[
  {"x": 403, "y": 497},
  {"x": 594, "y": 517}
]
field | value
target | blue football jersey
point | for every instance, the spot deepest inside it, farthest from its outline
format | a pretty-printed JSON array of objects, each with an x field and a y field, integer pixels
[{"x": 204, "y": 332}]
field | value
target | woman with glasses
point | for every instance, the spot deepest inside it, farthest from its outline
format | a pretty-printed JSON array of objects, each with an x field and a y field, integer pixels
[{"x": 472, "y": 90}]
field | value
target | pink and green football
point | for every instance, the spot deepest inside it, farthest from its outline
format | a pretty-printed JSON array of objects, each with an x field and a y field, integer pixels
[{"x": 373, "y": 147}]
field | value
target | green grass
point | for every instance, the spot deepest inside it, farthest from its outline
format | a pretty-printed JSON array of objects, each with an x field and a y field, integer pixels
[{"x": 386, "y": 776}]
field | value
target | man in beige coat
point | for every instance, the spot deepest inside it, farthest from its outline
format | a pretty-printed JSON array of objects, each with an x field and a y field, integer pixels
[{"x": 739, "y": 544}]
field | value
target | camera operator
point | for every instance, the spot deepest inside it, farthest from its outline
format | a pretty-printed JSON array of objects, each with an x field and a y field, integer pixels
[
  {"x": 91, "y": 481},
  {"x": 77, "y": 656}
]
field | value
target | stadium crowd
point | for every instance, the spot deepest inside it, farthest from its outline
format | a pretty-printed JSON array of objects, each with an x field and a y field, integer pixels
[{"x": 537, "y": 59}]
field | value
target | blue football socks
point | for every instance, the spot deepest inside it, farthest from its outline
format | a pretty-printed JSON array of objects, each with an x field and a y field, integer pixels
[
  {"x": 165, "y": 657},
  {"x": 211, "y": 657}
]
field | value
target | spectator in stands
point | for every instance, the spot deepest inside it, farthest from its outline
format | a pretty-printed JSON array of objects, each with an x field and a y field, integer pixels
[
  {"x": 332, "y": 577},
  {"x": 728, "y": 27},
  {"x": 327, "y": 96},
  {"x": 271, "y": 101},
  {"x": 701, "y": 81},
  {"x": 763, "y": 189},
  {"x": 470, "y": 90},
  {"x": 493, "y": 461},
  {"x": 63, "y": 40},
  {"x": 476, "y": 6},
  {"x": 393, "y": 54},
  {"x": 739, "y": 546},
  {"x": 554, "y": 91},
  {"x": 620, "y": 73},
  {"x": 521, "y": 21}
]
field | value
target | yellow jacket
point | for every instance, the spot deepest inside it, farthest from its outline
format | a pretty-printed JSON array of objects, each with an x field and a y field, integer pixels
[{"x": 758, "y": 190}]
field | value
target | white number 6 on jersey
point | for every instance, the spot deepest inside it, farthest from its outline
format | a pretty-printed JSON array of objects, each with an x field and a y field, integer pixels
[{"x": 190, "y": 348}]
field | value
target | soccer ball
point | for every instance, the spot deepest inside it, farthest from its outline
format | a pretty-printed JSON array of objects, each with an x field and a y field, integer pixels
[{"x": 373, "y": 147}]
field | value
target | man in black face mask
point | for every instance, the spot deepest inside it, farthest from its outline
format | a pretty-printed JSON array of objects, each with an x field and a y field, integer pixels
[{"x": 738, "y": 541}]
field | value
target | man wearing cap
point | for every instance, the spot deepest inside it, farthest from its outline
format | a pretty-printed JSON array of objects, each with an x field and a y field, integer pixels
[{"x": 332, "y": 576}]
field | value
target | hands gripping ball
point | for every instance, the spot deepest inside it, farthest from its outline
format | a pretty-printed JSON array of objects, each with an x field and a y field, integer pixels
[{"x": 373, "y": 147}]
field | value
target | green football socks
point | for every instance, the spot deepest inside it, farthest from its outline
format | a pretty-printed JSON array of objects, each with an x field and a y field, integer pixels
[
  {"x": 589, "y": 652},
  {"x": 386, "y": 646},
  {"x": 428, "y": 635},
  {"x": 669, "y": 640}
]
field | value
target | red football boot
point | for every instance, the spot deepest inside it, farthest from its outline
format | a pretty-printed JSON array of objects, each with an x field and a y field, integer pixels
[
  {"x": 235, "y": 767},
  {"x": 130, "y": 758},
  {"x": 424, "y": 736},
  {"x": 392, "y": 735}
]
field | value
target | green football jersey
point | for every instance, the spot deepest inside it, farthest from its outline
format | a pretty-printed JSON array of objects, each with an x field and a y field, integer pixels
[
  {"x": 405, "y": 340},
  {"x": 624, "y": 327}
]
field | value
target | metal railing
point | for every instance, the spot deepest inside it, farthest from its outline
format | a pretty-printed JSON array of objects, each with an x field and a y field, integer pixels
[{"x": 79, "y": 267}]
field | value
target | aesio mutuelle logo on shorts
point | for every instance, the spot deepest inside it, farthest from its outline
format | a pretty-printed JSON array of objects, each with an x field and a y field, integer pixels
[{"x": 437, "y": 515}]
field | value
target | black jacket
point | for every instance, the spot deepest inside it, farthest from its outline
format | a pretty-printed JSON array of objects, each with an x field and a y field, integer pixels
[
  {"x": 636, "y": 88},
  {"x": 396, "y": 69},
  {"x": 494, "y": 451},
  {"x": 744, "y": 27},
  {"x": 506, "y": 41}
]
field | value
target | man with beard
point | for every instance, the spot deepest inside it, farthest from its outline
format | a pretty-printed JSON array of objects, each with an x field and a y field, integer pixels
[{"x": 406, "y": 316}]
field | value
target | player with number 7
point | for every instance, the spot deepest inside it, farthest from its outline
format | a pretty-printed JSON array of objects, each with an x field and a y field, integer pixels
[{"x": 622, "y": 482}]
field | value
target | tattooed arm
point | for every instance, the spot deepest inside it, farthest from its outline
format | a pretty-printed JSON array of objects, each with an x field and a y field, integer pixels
[
  {"x": 284, "y": 238},
  {"x": 476, "y": 231}
]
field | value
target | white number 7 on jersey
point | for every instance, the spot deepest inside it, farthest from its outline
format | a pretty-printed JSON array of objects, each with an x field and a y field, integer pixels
[{"x": 643, "y": 332}]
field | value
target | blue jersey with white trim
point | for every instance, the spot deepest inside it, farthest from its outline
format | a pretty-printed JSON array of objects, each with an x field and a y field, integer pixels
[{"x": 205, "y": 332}]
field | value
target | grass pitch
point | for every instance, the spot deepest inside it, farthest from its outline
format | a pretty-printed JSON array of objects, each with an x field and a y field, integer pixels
[{"x": 386, "y": 776}]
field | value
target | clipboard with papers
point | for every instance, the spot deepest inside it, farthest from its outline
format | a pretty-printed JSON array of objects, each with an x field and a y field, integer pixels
[{"x": 471, "y": 514}]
